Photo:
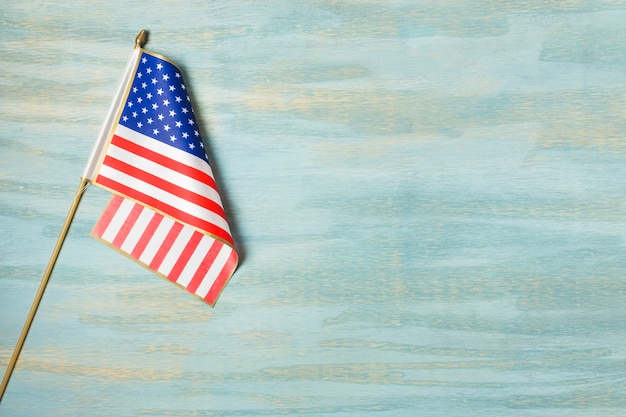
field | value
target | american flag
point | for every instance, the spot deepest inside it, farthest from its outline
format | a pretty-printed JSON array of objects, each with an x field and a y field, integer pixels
[{"x": 166, "y": 213}]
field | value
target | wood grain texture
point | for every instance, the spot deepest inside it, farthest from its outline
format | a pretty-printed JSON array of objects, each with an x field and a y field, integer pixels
[{"x": 429, "y": 198}]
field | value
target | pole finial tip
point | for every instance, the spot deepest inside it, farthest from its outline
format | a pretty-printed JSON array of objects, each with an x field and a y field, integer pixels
[{"x": 141, "y": 39}]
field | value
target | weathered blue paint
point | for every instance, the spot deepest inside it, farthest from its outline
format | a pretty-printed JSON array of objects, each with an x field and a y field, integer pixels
[{"x": 429, "y": 199}]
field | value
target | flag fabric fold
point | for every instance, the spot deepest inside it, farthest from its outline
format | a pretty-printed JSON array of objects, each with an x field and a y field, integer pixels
[{"x": 166, "y": 212}]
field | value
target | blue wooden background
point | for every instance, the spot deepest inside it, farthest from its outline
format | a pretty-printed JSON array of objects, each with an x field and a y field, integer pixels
[{"x": 430, "y": 200}]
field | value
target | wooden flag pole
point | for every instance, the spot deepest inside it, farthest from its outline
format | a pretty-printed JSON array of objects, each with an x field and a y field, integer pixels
[{"x": 42, "y": 286}]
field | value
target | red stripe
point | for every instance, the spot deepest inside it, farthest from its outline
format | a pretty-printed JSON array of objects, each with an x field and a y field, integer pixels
[
  {"x": 130, "y": 221},
  {"x": 164, "y": 160},
  {"x": 147, "y": 235},
  {"x": 165, "y": 208},
  {"x": 166, "y": 246},
  {"x": 182, "y": 260},
  {"x": 107, "y": 216},
  {"x": 197, "y": 278},
  {"x": 222, "y": 279},
  {"x": 171, "y": 188}
]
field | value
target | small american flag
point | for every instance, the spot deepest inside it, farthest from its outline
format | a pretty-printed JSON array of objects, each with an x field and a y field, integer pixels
[{"x": 166, "y": 213}]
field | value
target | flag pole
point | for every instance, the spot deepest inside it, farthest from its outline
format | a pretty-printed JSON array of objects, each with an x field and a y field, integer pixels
[
  {"x": 85, "y": 179},
  {"x": 42, "y": 286}
]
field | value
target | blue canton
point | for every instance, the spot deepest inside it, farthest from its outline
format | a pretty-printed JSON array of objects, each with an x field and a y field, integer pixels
[{"x": 158, "y": 106}]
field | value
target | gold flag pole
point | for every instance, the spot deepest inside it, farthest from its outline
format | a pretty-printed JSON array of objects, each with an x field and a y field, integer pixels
[
  {"x": 42, "y": 286},
  {"x": 140, "y": 40}
]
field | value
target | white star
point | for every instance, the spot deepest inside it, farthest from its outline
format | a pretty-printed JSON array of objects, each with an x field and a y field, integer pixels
[
  {"x": 144, "y": 110},
  {"x": 134, "y": 114},
  {"x": 166, "y": 77},
  {"x": 178, "y": 99},
  {"x": 160, "y": 91},
  {"x": 177, "y": 75},
  {"x": 185, "y": 135},
  {"x": 134, "y": 89},
  {"x": 139, "y": 124},
  {"x": 149, "y": 121},
  {"x": 183, "y": 86},
  {"x": 155, "y": 106},
  {"x": 192, "y": 146},
  {"x": 144, "y": 85},
  {"x": 139, "y": 75},
  {"x": 149, "y": 96},
  {"x": 159, "y": 66},
  {"x": 155, "y": 131},
  {"x": 178, "y": 124},
  {"x": 172, "y": 88},
  {"x": 144, "y": 60},
  {"x": 191, "y": 122},
  {"x": 161, "y": 117},
  {"x": 130, "y": 104},
  {"x": 196, "y": 133},
  {"x": 139, "y": 100},
  {"x": 173, "y": 138},
  {"x": 154, "y": 81},
  {"x": 185, "y": 110},
  {"x": 166, "y": 128},
  {"x": 124, "y": 118},
  {"x": 149, "y": 70},
  {"x": 172, "y": 113},
  {"x": 166, "y": 102}
]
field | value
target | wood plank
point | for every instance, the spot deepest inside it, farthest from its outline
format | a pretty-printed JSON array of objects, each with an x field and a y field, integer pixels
[{"x": 429, "y": 200}]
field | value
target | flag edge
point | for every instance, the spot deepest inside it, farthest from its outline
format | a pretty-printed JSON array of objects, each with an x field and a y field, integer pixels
[{"x": 164, "y": 277}]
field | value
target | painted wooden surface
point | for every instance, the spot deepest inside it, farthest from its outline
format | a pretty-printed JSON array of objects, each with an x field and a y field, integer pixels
[{"x": 430, "y": 198}]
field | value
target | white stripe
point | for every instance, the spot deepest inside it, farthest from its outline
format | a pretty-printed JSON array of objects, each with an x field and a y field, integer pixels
[
  {"x": 156, "y": 241},
  {"x": 118, "y": 220},
  {"x": 165, "y": 197},
  {"x": 137, "y": 230},
  {"x": 214, "y": 270},
  {"x": 194, "y": 261},
  {"x": 162, "y": 171},
  {"x": 164, "y": 149},
  {"x": 175, "y": 250},
  {"x": 114, "y": 107}
]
